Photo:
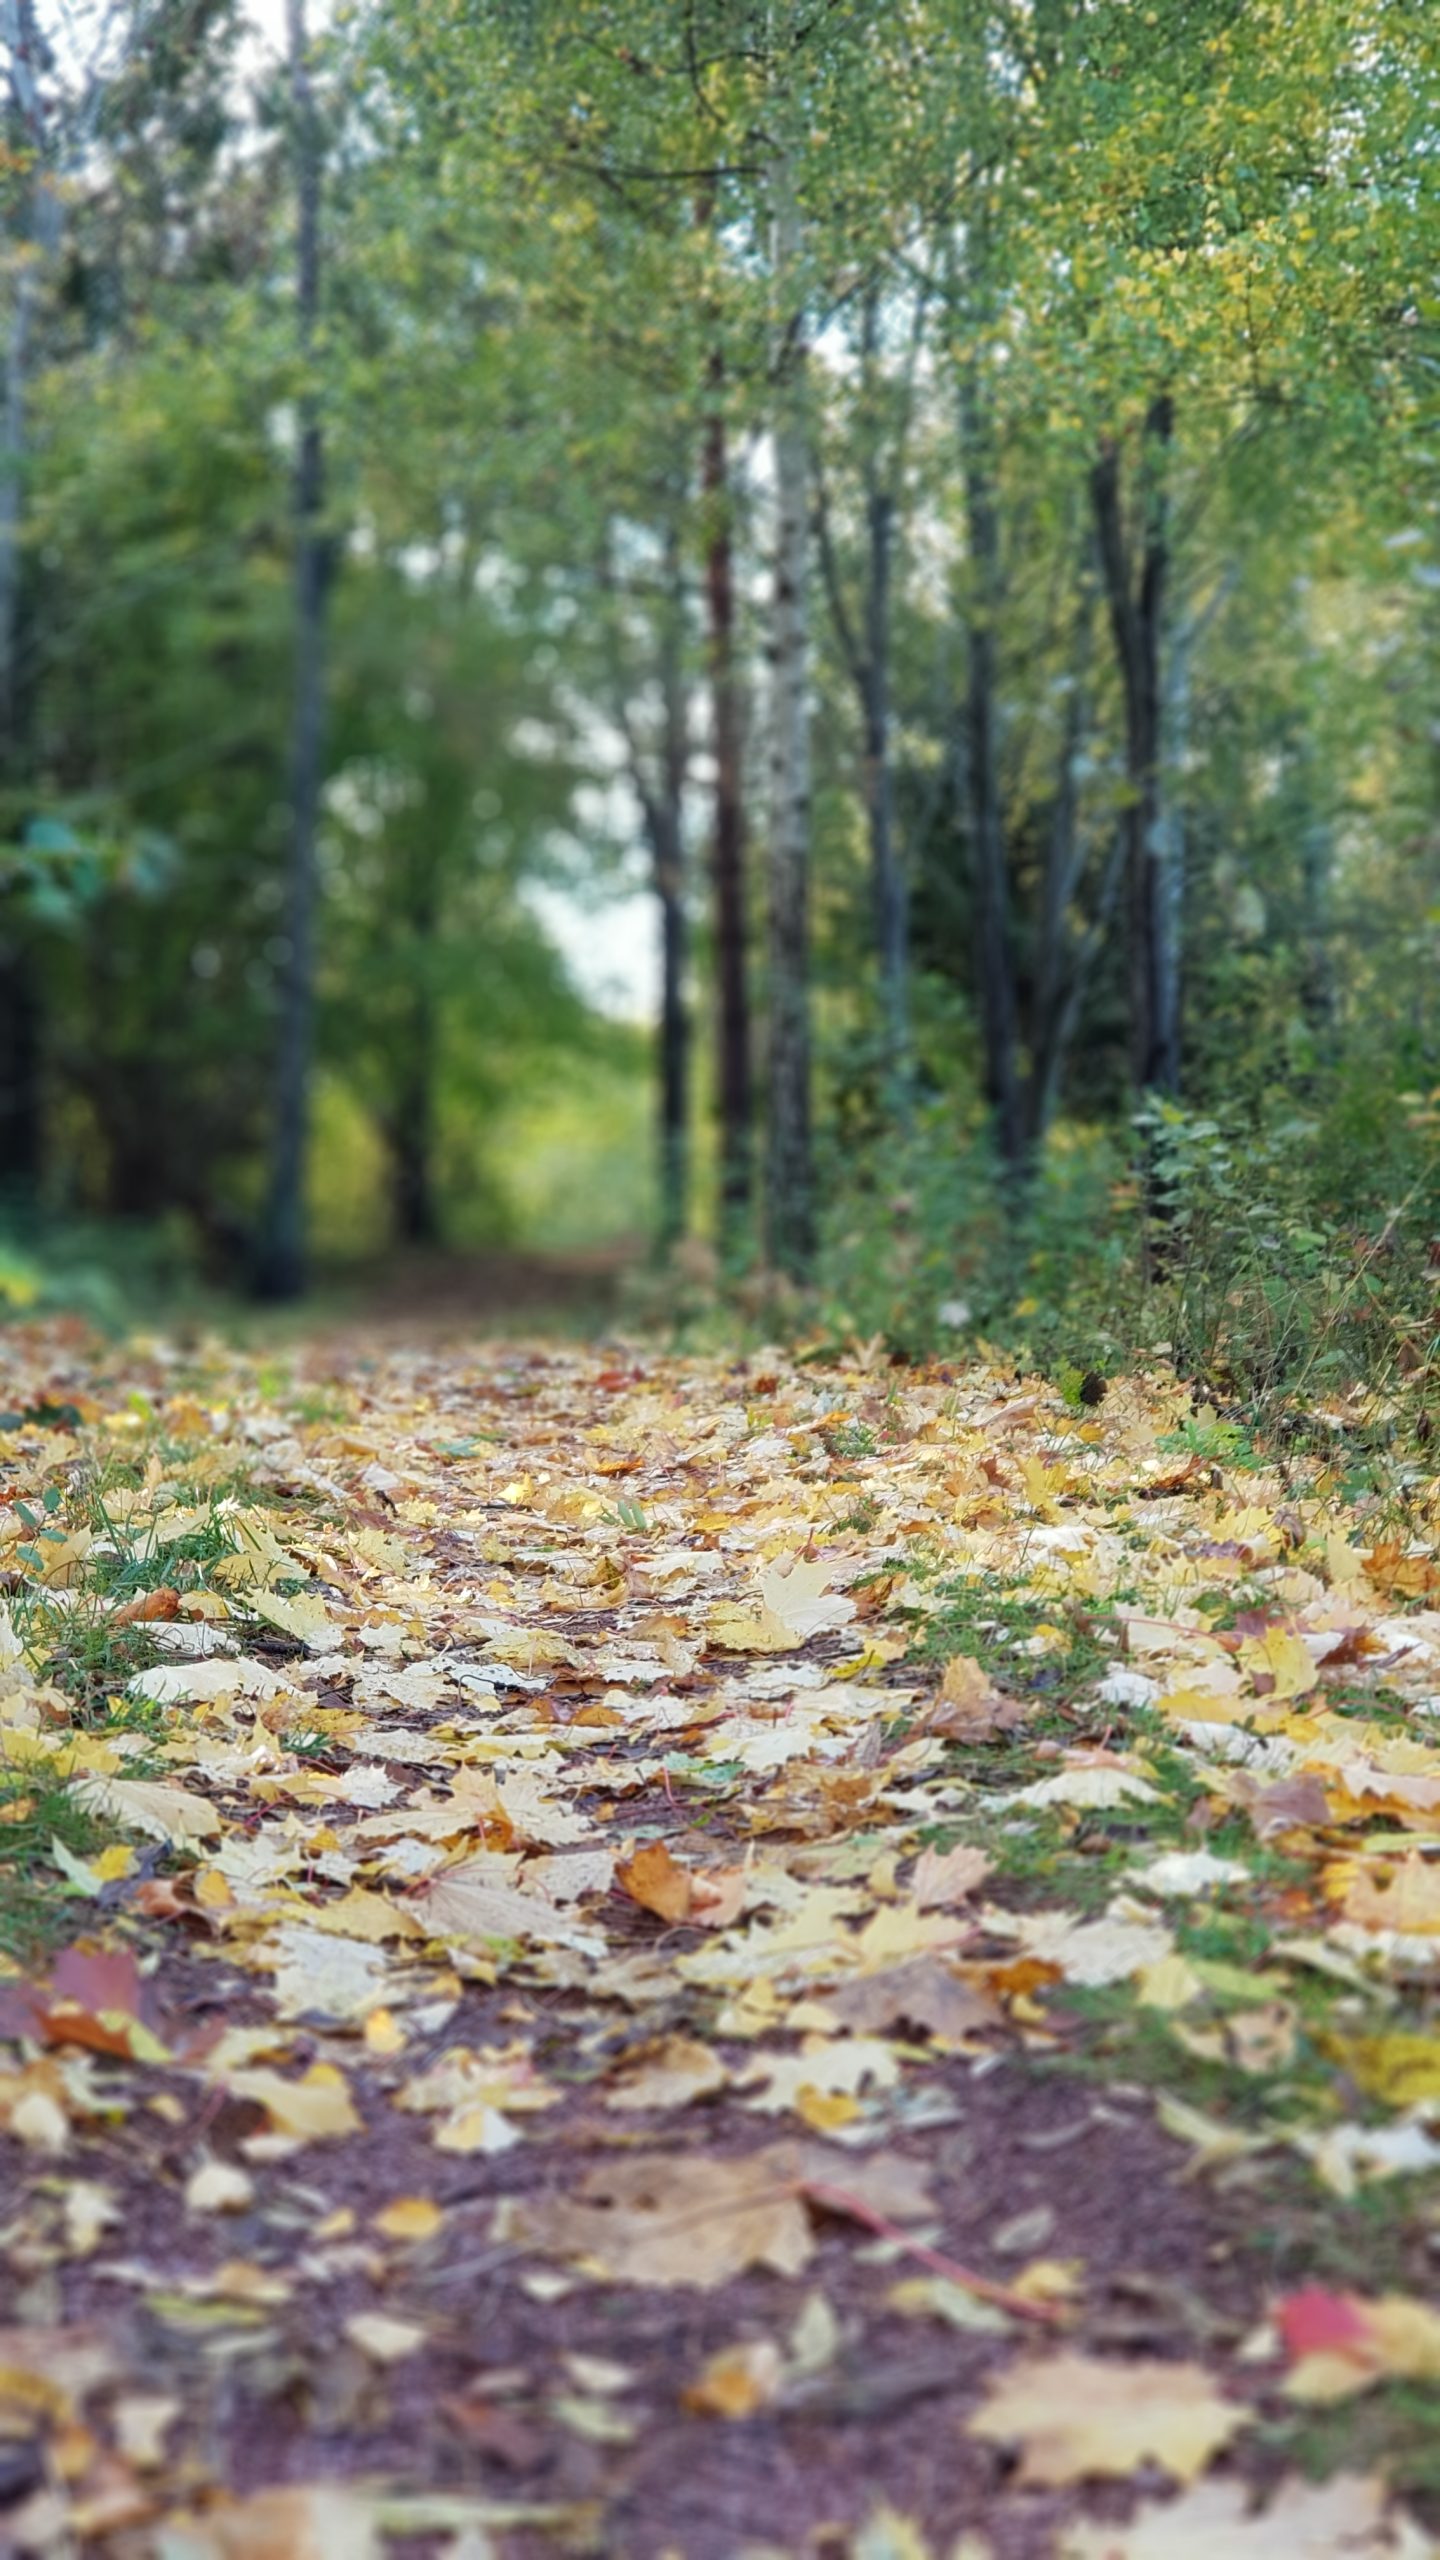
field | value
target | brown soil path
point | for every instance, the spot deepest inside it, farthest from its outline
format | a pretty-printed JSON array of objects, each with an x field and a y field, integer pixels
[{"x": 572, "y": 2034}]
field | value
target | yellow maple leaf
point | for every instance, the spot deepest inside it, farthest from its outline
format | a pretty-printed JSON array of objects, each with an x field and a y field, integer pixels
[
  {"x": 1075, "y": 2417},
  {"x": 1281, "y": 1662}
]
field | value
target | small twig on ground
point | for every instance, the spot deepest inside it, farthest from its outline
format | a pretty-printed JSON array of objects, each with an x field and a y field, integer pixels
[{"x": 840, "y": 2200}]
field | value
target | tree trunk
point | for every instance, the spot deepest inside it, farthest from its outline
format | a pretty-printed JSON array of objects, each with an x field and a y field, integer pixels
[
  {"x": 789, "y": 1202},
  {"x": 733, "y": 1079},
  {"x": 668, "y": 847},
  {"x": 865, "y": 647},
  {"x": 1317, "y": 981},
  {"x": 410, "y": 1125},
  {"x": 888, "y": 885},
  {"x": 411, "y": 1134},
  {"x": 674, "y": 1045},
  {"x": 1062, "y": 967},
  {"x": 20, "y": 1013},
  {"x": 20, "y": 1116},
  {"x": 1137, "y": 606},
  {"x": 998, "y": 1009},
  {"x": 281, "y": 1272}
]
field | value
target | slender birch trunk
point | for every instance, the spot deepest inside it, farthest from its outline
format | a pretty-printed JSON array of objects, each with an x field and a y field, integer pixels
[
  {"x": 998, "y": 1007},
  {"x": 789, "y": 1190},
  {"x": 282, "y": 1253},
  {"x": 888, "y": 884},
  {"x": 668, "y": 846},
  {"x": 733, "y": 1080}
]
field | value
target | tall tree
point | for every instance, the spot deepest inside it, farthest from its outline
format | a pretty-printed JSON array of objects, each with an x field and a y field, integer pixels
[
  {"x": 281, "y": 1267},
  {"x": 789, "y": 1202},
  {"x": 733, "y": 1081},
  {"x": 1135, "y": 559},
  {"x": 37, "y": 235}
]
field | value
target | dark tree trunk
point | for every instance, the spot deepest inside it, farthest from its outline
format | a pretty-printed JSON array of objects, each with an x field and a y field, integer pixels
[
  {"x": 1063, "y": 961},
  {"x": 281, "y": 1272},
  {"x": 411, "y": 1134},
  {"x": 734, "y": 1087},
  {"x": 1136, "y": 598},
  {"x": 410, "y": 1126},
  {"x": 998, "y": 1009},
  {"x": 1317, "y": 975},
  {"x": 20, "y": 1117}
]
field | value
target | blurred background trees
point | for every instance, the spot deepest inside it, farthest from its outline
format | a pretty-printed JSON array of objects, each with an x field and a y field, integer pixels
[{"x": 939, "y": 498}]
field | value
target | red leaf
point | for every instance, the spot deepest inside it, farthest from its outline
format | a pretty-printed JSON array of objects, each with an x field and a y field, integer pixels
[{"x": 1315, "y": 2322}]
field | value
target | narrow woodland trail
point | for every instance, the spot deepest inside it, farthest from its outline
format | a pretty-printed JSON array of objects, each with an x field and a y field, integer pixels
[{"x": 669, "y": 1957}]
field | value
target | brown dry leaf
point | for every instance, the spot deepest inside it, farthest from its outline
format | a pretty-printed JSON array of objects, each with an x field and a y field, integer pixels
[
  {"x": 656, "y": 1880},
  {"x": 1074, "y": 2417},
  {"x": 926, "y": 1996},
  {"x": 319, "y": 2522},
  {"x": 732, "y": 1628},
  {"x": 54, "y": 2370},
  {"x": 1343, "y": 2519},
  {"x": 717, "y": 1895},
  {"x": 315, "y": 2108},
  {"x": 799, "y": 1595},
  {"x": 410, "y": 2218},
  {"x": 141, "y": 2422},
  {"x": 674, "y": 2219},
  {"x": 737, "y": 2381},
  {"x": 1263, "y": 2039},
  {"x": 384, "y": 2340},
  {"x": 684, "y": 2219},
  {"x": 151, "y": 1805},
  {"x": 148, "y": 1607},
  {"x": 672, "y": 2074},
  {"x": 824, "y": 2067},
  {"x": 1396, "y": 1893},
  {"x": 943, "y": 1878},
  {"x": 1279, "y": 1664},
  {"x": 1300, "y": 1803},
  {"x": 968, "y": 1707},
  {"x": 466, "y": 1903},
  {"x": 1344, "y": 2343}
]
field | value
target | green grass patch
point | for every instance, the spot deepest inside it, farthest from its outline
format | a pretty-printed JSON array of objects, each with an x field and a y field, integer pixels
[{"x": 36, "y": 1915}]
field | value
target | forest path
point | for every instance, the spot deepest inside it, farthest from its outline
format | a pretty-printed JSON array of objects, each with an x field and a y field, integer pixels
[
  {"x": 678, "y": 1957},
  {"x": 454, "y": 1297}
]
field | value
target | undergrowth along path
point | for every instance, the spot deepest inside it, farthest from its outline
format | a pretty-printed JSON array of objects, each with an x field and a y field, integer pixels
[{"x": 669, "y": 1957}]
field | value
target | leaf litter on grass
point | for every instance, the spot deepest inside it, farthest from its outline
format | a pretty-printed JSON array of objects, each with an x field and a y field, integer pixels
[{"x": 635, "y": 1899}]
